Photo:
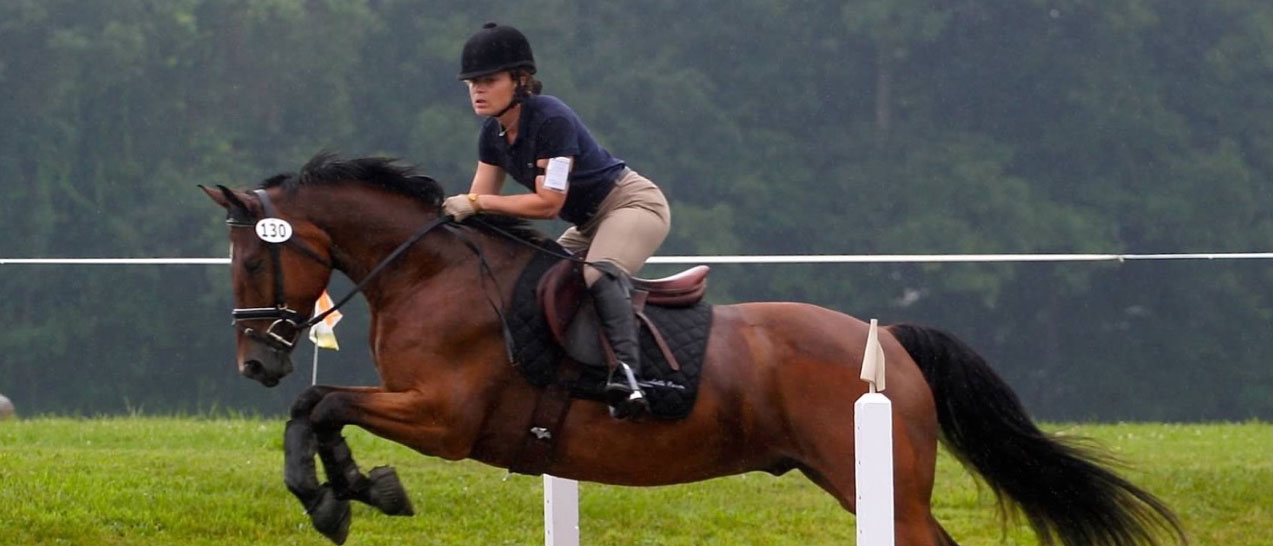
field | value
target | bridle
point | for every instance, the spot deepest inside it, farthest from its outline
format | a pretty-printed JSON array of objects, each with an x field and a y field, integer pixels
[{"x": 287, "y": 325}]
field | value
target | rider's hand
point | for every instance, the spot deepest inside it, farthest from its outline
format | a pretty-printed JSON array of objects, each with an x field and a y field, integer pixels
[{"x": 460, "y": 206}]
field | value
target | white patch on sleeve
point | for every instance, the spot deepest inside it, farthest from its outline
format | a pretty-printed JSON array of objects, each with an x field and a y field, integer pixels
[{"x": 557, "y": 175}]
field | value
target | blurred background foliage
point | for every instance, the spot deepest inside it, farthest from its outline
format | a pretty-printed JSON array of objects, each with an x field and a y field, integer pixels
[{"x": 774, "y": 126}]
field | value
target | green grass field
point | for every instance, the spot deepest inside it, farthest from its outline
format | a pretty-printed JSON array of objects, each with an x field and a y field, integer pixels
[{"x": 176, "y": 481}]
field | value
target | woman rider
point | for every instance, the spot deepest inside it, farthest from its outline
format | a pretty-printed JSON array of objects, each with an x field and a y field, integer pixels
[{"x": 619, "y": 217}]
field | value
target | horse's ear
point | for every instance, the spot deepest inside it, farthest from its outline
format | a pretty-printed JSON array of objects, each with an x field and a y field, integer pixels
[
  {"x": 224, "y": 197},
  {"x": 216, "y": 197},
  {"x": 236, "y": 211},
  {"x": 233, "y": 198}
]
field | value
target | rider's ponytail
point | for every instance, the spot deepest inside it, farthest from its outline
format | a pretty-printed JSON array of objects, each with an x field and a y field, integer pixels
[{"x": 531, "y": 86}]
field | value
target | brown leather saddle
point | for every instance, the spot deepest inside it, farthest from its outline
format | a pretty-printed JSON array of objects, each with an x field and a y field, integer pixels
[{"x": 564, "y": 298}]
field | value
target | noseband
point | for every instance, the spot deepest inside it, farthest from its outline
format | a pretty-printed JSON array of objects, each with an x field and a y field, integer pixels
[{"x": 288, "y": 323}]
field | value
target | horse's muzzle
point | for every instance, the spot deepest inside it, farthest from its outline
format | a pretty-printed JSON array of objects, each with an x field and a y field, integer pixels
[
  {"x": 264, "y": 364},
  {"x": 253, "y": 369}
]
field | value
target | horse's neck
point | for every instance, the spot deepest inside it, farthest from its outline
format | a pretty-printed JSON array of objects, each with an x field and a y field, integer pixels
[
  {"x": 362, "y": 240},
  {"x": 366, "y": 229}
]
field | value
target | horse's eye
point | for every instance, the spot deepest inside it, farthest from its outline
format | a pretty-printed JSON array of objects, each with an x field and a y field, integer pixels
[{"x": 253, "y": 265}]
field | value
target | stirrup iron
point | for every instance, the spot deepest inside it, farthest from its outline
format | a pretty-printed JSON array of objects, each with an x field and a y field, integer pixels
[
  {"x": 632, "y": 382},
  {"x": 633, "y": 404}
]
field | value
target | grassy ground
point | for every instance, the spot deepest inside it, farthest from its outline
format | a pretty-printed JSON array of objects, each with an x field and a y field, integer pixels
[{"x": 152, "y": 481}]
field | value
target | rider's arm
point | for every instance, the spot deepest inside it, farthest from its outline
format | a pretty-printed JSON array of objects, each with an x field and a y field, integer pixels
[
  {"x": 546, "y": 202},
  {"x": 487, "y": 179}
]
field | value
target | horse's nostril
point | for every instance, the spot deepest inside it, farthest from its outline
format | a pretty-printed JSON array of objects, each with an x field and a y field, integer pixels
[{"x": 252, "y": 368}]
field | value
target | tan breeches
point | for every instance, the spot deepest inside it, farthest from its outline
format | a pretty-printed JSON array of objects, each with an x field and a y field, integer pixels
[{"x": 629, "y": 226}]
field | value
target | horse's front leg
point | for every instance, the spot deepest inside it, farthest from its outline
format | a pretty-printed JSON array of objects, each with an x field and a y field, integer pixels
[
  {"x": 330, "y": 514},
  {"x": 381, "y": 488},
  {"x": 327, "y": 504},
  {"x": 436, "y": 422}
]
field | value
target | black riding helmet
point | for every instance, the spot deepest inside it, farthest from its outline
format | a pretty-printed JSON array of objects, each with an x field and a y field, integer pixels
[{"x": 495, "y": 48}]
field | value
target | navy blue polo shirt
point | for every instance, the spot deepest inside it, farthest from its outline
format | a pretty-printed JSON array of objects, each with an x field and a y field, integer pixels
[{"x": 547, "y": 128}]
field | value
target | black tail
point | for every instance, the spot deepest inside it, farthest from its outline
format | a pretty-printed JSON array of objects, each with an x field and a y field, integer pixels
[{"x": 1062, "y": 488}]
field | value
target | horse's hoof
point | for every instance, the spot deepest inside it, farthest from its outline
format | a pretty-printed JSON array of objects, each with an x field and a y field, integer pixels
[
  {"x": 387, "y": 494},
  {"x": 331, "y": 516}
]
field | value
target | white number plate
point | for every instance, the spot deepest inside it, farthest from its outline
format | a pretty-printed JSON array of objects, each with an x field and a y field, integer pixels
[{"x": 273, "y": 230}]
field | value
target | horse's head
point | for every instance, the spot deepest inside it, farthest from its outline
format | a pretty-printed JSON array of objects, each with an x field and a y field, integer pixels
[{"x": 279, "y": 266}]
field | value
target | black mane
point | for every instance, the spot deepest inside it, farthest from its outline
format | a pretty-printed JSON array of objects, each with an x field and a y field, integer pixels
[
  {"x": 381, "y": 172},
  {"x": 388, "y": 174}
]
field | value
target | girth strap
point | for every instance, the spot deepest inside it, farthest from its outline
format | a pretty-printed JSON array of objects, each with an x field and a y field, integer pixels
[{"x": 552, "y": 403}]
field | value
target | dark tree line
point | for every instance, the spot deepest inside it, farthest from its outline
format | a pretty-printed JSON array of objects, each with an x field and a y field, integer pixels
[{"x": 776, "y": 127}]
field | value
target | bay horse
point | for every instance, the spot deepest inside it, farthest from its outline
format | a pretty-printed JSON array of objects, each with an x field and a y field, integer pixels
[{"x": 779, "y": 379}]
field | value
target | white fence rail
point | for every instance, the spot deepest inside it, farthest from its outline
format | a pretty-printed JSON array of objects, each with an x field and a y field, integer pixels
[{"x": 753, "y": 259}]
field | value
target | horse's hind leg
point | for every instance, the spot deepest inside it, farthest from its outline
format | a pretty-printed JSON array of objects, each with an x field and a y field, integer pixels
[
  {"x": 831, "y": 466},
  {"x": 911, "y": 528}
]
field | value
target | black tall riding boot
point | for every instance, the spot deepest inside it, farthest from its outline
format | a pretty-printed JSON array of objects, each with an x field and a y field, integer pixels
[{"x": 611, "y": 295}]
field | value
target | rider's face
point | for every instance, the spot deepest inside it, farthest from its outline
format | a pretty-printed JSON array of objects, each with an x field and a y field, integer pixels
[{"x": 491, "y": 93}]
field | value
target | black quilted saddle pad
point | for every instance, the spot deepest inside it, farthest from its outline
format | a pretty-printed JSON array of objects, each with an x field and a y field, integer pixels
[{"x": 671, "y": 392}]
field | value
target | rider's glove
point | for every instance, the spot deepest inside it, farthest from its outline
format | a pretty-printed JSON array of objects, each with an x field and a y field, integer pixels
[{"x": 460, "y": 206}]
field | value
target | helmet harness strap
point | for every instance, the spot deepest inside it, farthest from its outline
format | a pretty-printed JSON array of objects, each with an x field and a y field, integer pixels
[{"x": 519, "y": 95}]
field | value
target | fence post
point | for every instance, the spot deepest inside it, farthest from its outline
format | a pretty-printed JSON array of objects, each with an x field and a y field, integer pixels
[
  {"x": 561, "y": 511},
  {"x": 873, "y": 441}
]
